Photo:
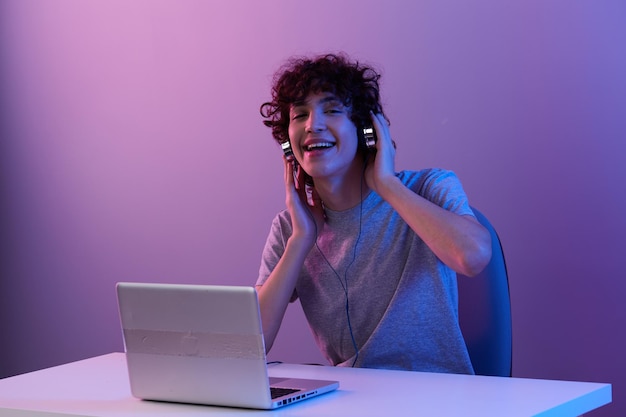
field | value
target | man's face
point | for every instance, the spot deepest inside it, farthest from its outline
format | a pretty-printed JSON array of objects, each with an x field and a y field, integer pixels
[{"x": 322, "y": 135}]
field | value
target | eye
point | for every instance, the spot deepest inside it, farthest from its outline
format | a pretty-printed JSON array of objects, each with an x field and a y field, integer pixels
[
  {"x": 335, "y": 109},
  {"x": 298, "y": 112}
]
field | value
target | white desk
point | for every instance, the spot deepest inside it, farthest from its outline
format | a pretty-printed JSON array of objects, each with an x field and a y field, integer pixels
[{"x": 99, "y": 387}]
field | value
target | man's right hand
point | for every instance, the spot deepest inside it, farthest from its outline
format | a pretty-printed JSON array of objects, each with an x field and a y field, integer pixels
[{"x": 307, "y": 219}]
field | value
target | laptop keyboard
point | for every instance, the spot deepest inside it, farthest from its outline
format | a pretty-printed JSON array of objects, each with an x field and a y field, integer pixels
[{"x": 279, "y": 392}]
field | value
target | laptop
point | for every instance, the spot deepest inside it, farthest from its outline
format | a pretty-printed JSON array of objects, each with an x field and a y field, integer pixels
[{"x": 202, "y": 344}]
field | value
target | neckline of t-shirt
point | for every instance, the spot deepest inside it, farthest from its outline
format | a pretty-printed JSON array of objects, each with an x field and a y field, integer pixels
[{"x": 352, "y": 211}]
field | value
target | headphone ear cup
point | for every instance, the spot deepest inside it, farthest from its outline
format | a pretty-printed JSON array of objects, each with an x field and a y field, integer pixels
[
  {"x": 286, "y": 146},
  {"x": 369, "y": 136},
  {"x": 367, "y": 139}
]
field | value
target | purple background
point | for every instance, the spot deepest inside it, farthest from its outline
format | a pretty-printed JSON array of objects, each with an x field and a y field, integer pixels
[{"x": 132, "y": 149}]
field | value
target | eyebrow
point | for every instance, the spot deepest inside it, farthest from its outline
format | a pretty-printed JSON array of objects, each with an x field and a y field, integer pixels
[{"x": 325, "y": 100}]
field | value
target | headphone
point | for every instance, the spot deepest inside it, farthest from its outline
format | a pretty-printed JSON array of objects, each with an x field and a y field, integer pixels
[{"x": 367, "y": 141}]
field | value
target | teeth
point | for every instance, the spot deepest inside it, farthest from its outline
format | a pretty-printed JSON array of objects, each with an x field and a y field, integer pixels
[{"x": 319, "y": 146}]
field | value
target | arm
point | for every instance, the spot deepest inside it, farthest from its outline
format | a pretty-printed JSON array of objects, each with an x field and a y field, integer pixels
[
  {"x": 460, "y": 242},
  {"x": 276, "y": 292}
]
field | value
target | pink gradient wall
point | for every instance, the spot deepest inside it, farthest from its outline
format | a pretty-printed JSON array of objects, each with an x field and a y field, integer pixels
[{"x": 132, "y": 149}]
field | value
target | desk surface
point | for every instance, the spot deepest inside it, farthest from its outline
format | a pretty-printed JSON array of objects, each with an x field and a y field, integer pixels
[{"x": 99, "y": 387}]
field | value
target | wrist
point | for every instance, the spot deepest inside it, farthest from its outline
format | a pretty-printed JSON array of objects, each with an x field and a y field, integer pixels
[
  {"x": 300, "y": 244},
  {"x": 388, "y": 186}
]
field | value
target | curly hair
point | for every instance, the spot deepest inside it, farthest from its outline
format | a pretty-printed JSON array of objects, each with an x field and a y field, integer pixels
[{"x": 355, "y": 85}]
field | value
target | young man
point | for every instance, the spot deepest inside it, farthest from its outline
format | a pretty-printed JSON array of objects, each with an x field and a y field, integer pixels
[{"x": 372, "y": 254}]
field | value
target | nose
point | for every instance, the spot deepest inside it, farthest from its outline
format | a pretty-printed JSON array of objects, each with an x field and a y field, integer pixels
[{"x": 315, "y": 122}]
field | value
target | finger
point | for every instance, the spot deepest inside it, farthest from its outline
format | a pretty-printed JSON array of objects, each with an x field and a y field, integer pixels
[
  {"x": 288, "y": 172},
  {"x": 302, "y": 177},
  {"x": 308, "y": 191},
  {"x": 315, "y": 199},
  {"x": 381, "y": 127},
  {"x": 293, "y": 174},
  {"x": 285, "y": 170}
]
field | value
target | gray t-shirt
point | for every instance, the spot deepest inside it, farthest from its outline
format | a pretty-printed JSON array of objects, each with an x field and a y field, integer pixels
[{"x": 402, "y": 299}]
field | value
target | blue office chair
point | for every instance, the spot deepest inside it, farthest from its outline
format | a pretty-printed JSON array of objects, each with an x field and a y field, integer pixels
[{"x": 485, "y": 312}]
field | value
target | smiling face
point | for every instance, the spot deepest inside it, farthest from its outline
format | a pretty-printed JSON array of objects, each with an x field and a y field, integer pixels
[{"x": 322, "y": 135}]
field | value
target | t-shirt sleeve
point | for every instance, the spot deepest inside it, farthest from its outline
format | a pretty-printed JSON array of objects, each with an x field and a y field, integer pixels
[
  {"x": 274, "y": 246},
  {"x": 441, "y": 187}
]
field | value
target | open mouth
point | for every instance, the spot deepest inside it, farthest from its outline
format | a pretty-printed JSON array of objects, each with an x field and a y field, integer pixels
[{"x": 318, "y": 146}]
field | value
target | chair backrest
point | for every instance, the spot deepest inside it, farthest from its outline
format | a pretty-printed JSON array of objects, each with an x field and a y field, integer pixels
[{"x": 485, "y": 312}]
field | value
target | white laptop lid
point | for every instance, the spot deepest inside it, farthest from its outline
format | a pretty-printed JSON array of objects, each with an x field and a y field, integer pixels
[{"x": 199, "y": 344}]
